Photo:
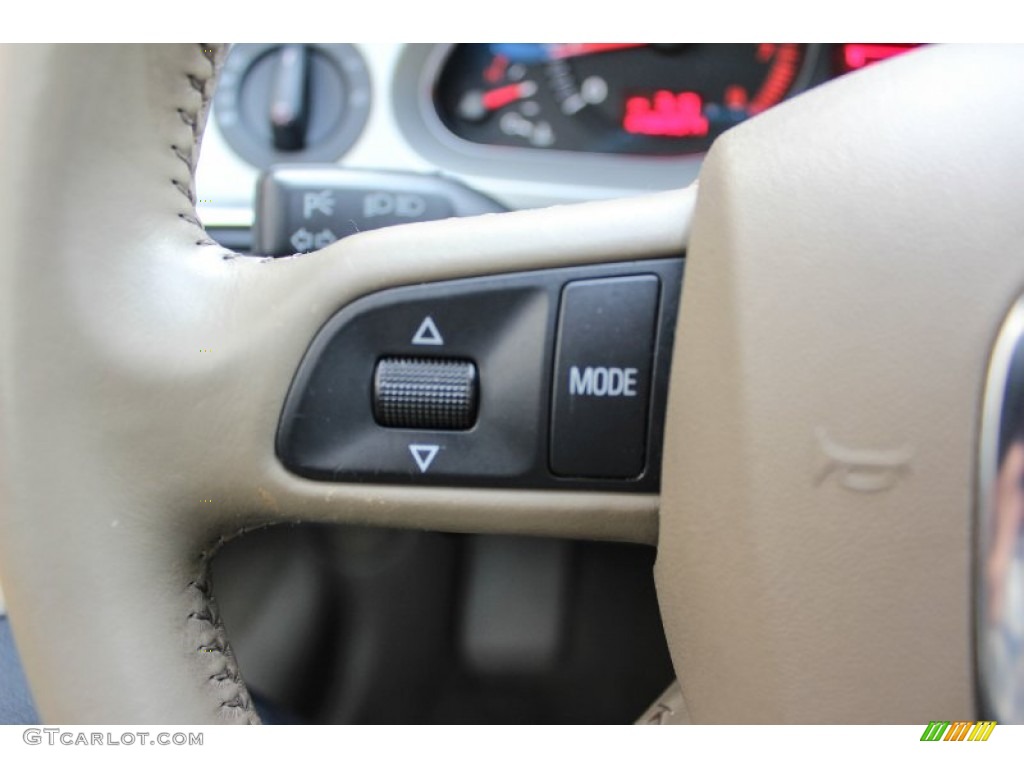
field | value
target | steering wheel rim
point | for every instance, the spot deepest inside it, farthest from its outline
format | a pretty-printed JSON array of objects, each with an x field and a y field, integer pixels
[{"x": 130, "y": 456}]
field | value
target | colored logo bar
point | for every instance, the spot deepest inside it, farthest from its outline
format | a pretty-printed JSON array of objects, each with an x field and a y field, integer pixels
[{"x": 959, "y": 730}]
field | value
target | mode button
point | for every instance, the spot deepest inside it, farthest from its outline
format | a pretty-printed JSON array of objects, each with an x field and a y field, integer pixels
[{"x": 602, "y": 380}]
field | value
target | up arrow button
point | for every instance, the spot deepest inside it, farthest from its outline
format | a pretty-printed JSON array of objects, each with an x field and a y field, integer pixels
[{"x": 427, "y": 334}]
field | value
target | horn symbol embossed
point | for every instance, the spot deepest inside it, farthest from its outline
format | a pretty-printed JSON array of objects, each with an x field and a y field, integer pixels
[{"x": 865, "y": 470}]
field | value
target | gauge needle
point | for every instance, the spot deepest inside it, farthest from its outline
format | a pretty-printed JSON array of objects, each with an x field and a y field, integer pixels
[
  {"x": 496, "y": 98},
  {"x": 476, "y": 105},
  {"x": 572, "y": 50}
]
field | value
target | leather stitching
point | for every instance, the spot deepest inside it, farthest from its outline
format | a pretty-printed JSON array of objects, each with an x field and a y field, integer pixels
[
  {"x": 213, "y": 640},
  {"x": 204, "y": 617},
  {"x": 187, "y": 155},
  {"x": 226, "y": 677}
]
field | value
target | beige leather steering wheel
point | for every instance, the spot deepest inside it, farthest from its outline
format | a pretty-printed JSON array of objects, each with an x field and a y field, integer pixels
[{"x": 853, "y": 253}]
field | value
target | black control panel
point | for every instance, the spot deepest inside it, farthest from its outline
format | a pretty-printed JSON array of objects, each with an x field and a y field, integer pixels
[{"x": 549, "y": 379}]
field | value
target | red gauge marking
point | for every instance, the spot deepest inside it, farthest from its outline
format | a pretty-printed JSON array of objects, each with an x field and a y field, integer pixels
[
  {"x": 497, "y": 98},
  {"x": 858, "y": 55},
  {"x": 496, "y": 69},
  {"x": 765, "y": 51},
  {"x": 784, "y": 68},
  {"x": 666, "y": 114},
  {"x": 570, "y": 50}
]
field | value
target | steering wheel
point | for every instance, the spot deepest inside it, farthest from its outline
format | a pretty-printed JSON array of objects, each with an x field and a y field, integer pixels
[{"x": 851, "y": 256}]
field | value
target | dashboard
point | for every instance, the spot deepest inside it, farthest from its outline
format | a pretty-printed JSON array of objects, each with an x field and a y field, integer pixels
[{"x": 527, "y": 124}]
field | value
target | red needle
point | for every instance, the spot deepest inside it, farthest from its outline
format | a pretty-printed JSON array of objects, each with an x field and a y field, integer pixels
[
  {"x": 569, "y": 50},
  {"x": 497, "y": 98}
]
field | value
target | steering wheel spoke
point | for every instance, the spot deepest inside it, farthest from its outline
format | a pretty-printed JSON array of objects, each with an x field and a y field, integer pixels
[{"x": 149, "y": 367}]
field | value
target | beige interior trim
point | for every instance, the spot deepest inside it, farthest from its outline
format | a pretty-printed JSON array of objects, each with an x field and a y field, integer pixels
[
  {"x": 853, "y": 256},
  {"x": 128, "y": 456},
  {"x": 668, "y": 709}
]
